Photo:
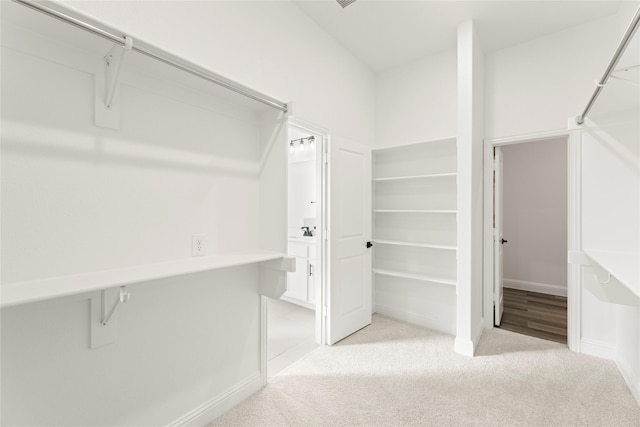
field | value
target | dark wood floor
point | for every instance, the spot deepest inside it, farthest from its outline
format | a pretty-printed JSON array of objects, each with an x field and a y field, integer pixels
[{"x": 537, "y": 315}]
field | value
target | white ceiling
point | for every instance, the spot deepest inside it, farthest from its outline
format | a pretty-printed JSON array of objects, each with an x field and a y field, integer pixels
[{"x": 388, "y": 33}]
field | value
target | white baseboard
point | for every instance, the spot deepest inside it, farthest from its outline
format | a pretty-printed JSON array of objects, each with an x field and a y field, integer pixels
[
  {"x": 597, "y": 348},
  {"x": 543, "y": 288},
  {"x": 467, "y": 347},
  {"x": 632, "y": 383},
  {"x": 212, "y": 409},
  {"x": 416, "y": 319},
  {"x": 464, "y": 347}
]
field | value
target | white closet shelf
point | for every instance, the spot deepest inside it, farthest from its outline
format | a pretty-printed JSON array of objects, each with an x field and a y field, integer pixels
[
  {"x": 446, "y": 140},
  {"x": 416, "y": 177},
  {"x": 415, "y": 244},
  {"x": 444, "y": 211},
  {"x": 18, "y": 293},
  {"x": 421, "y": 277}
]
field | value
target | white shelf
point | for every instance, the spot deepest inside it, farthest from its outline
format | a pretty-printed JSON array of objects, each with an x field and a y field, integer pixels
[
  {"x": 416, "y": 177},
  {"x": 624, "y": 266},
  {"x": 409, "y": 146},
  {"x": 421, "y": 277},
  {"x": 38, "y": 290},
  {"x": 415, "y": 244},
  {"x": 443, "y": 211}
]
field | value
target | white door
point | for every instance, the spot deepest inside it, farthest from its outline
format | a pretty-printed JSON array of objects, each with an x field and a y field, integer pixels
[
  {"x": 498, "y": 242},
  {"x": 348, "y": 288}
]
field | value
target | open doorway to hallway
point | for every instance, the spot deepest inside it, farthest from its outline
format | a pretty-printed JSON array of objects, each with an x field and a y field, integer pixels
[{"x": 533, "y": 242}]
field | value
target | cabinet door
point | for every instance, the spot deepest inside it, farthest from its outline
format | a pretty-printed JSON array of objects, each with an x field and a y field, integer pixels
[{"x": 297, "y": 283}]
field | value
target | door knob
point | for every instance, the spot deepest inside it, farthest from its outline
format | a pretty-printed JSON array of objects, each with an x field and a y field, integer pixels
[
  {"x": 369, "y": 244},
  {"x": 503, "y": 241}
]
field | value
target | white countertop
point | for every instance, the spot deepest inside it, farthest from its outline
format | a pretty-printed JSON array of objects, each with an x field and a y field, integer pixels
[{"x": 303, "y": 239}]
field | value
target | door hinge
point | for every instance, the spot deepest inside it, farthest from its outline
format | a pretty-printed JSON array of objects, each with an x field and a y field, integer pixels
[{"x": 325, "y": 158}]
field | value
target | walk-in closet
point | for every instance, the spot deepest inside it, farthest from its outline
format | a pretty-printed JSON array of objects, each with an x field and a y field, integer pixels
[{"x": 205, "y": 200}]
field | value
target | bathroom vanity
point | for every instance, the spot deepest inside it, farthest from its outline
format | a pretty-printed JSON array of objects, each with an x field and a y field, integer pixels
[{"x": 301, "y": 285}]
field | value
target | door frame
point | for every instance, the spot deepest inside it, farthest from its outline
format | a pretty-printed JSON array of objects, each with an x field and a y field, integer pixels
[
  {"x": 321, "y": 250},
  {"x": 498, "y": 245},
  {"x": 573, "y": 225}
]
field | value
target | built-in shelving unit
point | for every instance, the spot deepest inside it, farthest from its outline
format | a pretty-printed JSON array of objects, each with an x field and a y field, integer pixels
[
  {"x": 413, "y": 177},
  {"x": 414, "y": 244},
  {"x": 415, "y": 229},
  {"x": 430, "y": 211}
]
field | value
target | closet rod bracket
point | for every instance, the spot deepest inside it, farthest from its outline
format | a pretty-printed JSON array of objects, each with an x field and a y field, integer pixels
[
  {"x": 123, "y": 297},
  {"x": 113, "y": 61}
]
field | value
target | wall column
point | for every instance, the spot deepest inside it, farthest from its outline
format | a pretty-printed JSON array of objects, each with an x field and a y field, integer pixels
[{"x": 470, "y": 146}]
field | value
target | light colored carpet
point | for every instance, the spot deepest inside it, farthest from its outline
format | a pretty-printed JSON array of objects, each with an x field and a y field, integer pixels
[{"x": 395, "y": 374}]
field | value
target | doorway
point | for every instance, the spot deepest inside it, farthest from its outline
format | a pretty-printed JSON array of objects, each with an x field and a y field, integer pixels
[
  {"x": 332, "y": 251},
  {"x": 533, "y": 242},
  {"x": 291, "y": 321},
  {"x": 537, "y": 204}
]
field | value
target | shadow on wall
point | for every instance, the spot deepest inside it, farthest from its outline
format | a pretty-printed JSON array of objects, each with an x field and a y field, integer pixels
[{"x": 68, "y": 145}]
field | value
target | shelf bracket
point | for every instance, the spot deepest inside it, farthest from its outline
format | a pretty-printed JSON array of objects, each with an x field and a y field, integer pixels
[
  {"x": 113, "y": 61},
  {"x": 123, "y": 297},
  {"x": 608, "y": 290},
  {"x": 273, "y": 276}
]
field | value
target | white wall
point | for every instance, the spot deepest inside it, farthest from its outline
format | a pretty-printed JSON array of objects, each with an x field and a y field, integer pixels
[
  {"x": 270, "y": 46},
  {"x": 535, "y": 216},
  {"x": 90, "y": 198},
  {"x": 175, "y": 351},
  {"x": 611, "y": 222},
  {"x": 78, "y": 198},
  {"x": 417, "y": 102},
  {"x": 536, "y": 86},
  {"x": 611, "y": 212}
]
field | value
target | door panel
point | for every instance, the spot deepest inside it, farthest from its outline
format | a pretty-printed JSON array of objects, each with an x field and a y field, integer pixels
[{"x": 349, "y": 284}]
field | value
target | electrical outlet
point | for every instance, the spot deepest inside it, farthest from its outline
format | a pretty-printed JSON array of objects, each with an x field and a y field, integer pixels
[{"x": 198, "y": 245}]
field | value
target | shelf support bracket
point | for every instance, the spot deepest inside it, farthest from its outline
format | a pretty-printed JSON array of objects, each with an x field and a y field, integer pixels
[
  {"x": 113, "y": 61},
  {"x": 273, "y": 276},
  {"x": 123, "y": 297},
  {"x": 608, "y": 290}
]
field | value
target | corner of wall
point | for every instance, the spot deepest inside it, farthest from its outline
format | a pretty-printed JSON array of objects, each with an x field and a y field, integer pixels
[
  {"x": 221, "y": 403},
  {"x": 632, "y": 383},
  {"x": 597, "y": 348}
]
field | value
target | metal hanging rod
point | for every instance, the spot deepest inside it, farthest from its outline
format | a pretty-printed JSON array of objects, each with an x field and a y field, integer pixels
[
  {"x": 626, "y": 38},
  {"x": 157, "y": 54}
]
